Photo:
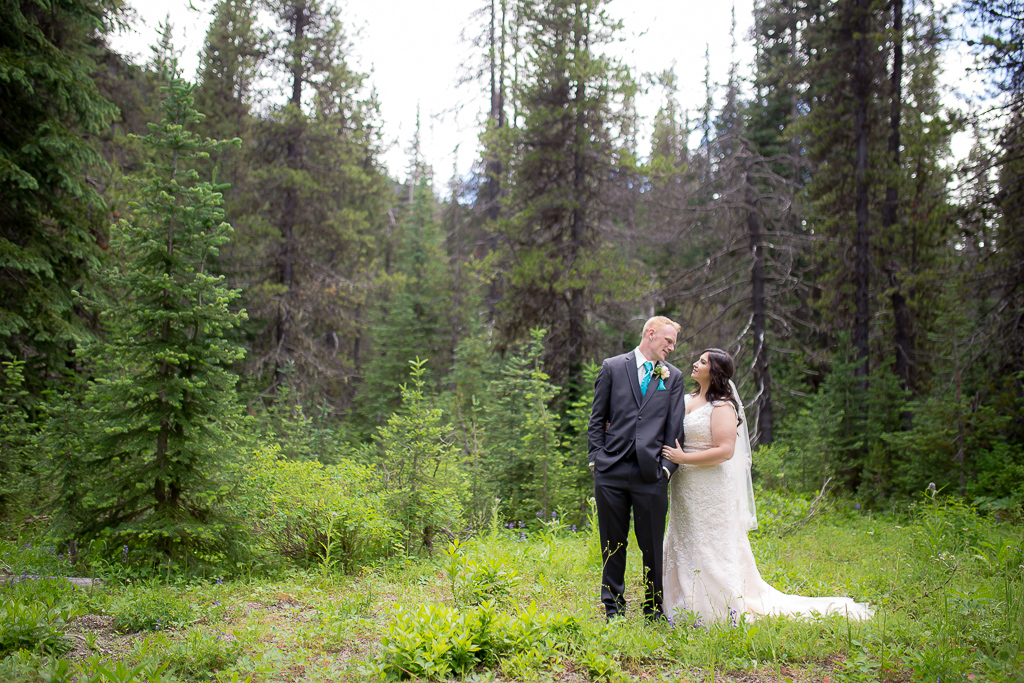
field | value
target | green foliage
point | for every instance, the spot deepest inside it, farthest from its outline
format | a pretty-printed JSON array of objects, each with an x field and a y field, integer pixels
[
  {"x": 16, "y": 440},
  {"x": 419, "y": 460},
  {"x": 525, "y": 462},
  {"x": 475, "y": 579},
  {"x": 162, "y": 409},
  {"x": 298, "y": 508},
  {"x": 436, "y": 641},
  {"x": 151, "y": 608},
  {"x": 841, "y": 432},
  {"x": 34, "y": 625},
  {"x": 314, "y": 209},
  {"x": 52, "y": 214},
  {"x": 567, "y": 157},
  {"x": 196, "y": 656},
  {"x": 413, "y": 318}
]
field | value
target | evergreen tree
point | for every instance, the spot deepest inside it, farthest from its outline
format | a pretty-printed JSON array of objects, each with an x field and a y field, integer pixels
[
  {"x": 316, "y": 202},
  {"x": 163, "y": 405},
  {"x": 560, "y": 269},
  {"x": 232, "y": 56},
  {"x": 524, "y": 459},
  {"x": 411, "y": 318},
  {"x": 420, "y": 466},
  {"x": 52, "y": 218}
]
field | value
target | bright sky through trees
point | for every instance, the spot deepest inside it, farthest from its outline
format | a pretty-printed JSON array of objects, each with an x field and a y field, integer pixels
[{"x": 415, "y": 53}]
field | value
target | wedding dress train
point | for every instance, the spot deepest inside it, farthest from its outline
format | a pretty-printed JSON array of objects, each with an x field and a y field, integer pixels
[{"x": 708, "y": 563}]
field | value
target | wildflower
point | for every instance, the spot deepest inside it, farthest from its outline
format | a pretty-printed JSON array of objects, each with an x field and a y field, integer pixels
[
  {"x": 220, "y": 580},
  {"x": 572, "y": 528},
  {"x": 856, "y": 506},
  {"x": 733, "y": 618},
  {"x": 124, "y": 554},
  {"x": 554, "y": 515},
  {"x": 540, "y": 514},
  {"x": 522, "y": 524}
]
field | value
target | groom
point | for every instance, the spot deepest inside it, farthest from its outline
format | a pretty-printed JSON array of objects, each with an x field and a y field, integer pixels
[{"x": 638, "y": 407}]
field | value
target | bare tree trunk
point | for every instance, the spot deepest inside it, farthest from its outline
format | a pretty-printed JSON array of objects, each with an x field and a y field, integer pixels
[
  {"x": 902, "y": 321},
  {"x": 286, "y": 257},
  {"x": 862, "y": 256},
  {"x": 762, "y": 370},
  {"x": 494, "y": 166},
  {"x": 576, "y": 304}
]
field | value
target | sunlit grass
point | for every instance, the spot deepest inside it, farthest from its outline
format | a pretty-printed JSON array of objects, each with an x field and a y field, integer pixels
[{"x": 947, "y": 584}]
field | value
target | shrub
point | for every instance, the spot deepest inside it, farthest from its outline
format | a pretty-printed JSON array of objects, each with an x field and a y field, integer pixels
[
  {"x": 420, "y": 460},
  {"x": 34, "y": 625},
  {"x": 296, "y": 509},
  {"x": 155, "y": 608},
  {"x": 475, "y": 580},
  {"x": 437, "y": 641}
]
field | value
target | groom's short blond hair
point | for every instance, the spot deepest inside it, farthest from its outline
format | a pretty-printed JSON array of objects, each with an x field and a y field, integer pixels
[{"x": 659, "y": 321}]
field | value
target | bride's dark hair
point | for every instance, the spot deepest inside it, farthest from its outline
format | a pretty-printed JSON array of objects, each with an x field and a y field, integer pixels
[{"x": 722, "y": 368}]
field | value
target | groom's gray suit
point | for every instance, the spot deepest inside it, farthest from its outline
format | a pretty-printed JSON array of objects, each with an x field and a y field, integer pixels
[{"x": 626, "y": 432}]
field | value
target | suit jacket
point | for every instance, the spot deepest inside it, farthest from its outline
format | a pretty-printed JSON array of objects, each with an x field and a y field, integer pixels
[{"x": 644, "y": 421}]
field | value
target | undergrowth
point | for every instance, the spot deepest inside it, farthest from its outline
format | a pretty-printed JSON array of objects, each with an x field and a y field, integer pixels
[{"x": 521, "y": 602}]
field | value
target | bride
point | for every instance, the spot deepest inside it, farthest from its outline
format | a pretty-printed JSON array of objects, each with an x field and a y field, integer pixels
[{"x": 709, "y": 567}]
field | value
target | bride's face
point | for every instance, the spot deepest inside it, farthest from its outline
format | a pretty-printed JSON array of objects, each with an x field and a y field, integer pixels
[{"x": 701, "y": 370}]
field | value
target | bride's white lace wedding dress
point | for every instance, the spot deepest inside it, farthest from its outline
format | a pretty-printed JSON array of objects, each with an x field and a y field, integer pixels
[{"x": 710, "y": 571}]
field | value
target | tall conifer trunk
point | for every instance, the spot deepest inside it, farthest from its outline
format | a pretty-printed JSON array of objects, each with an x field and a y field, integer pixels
[
  {"x": 902, "y": 321},
  {"x": 862, "y": 256},
  {"x": 576, "y": 304},
  {"x": 286, "y": 262}
]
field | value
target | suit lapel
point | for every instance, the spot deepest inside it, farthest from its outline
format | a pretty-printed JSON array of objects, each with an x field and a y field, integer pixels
[{"x": 632, "y": 374}]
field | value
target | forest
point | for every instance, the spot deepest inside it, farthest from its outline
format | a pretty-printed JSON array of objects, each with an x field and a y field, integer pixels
[{"x": 235, "y": 346}]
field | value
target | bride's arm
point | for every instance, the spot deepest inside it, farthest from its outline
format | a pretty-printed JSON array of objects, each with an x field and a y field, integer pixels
[{"x": 723, "y": 435}]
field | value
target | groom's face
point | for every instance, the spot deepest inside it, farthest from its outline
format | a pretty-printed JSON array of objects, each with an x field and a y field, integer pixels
[{"x": 662, "y": 342}]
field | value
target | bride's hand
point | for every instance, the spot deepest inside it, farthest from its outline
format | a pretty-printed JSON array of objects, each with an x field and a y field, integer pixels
[{"x": 673, "y": 454}]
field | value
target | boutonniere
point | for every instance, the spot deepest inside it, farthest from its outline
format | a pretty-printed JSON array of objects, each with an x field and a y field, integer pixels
[{"x": 661, "y": 371}]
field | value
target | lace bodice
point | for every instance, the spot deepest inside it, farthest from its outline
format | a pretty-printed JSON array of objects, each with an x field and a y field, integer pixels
[{"x": 697, "y": 426}]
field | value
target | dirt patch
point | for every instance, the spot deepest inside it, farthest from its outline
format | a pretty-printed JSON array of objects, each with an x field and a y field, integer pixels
[{"x": 93, "y": 634}]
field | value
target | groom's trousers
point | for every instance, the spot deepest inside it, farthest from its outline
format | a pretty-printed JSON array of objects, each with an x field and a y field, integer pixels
[{"x": 617, "y": 491}]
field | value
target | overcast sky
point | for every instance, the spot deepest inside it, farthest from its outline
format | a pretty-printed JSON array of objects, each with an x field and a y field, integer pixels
[{"x": 413, "y": 52}]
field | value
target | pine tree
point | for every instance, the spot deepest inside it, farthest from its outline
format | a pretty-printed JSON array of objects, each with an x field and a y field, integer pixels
[
  {"x": 317, "y": 201},
  {"x": 164, "y": 403},
  {"x": 51, "y": 218},
  {"x": 410, "y": 318},
  {"x": 230, "y": 64},
  {"x": 524, "y": 459},
  {"x": 560, "y": 270}
]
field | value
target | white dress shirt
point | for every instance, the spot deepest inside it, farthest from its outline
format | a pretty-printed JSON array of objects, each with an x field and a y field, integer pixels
[{"x": 640, "y": 360}]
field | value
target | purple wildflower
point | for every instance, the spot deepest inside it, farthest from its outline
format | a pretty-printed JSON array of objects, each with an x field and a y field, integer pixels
[
  {"x": 554, "y": 515},
  {"x": 856, "y": 506}
]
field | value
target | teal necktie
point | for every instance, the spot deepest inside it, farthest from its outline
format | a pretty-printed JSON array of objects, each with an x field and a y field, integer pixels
[{"x": 648, "y": 368}]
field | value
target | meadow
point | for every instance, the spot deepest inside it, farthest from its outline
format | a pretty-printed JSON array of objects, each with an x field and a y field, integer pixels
[{"x": 520, "y": 601}]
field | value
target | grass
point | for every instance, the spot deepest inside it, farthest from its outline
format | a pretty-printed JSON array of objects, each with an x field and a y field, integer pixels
[{"x": 947, "y": 583}]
